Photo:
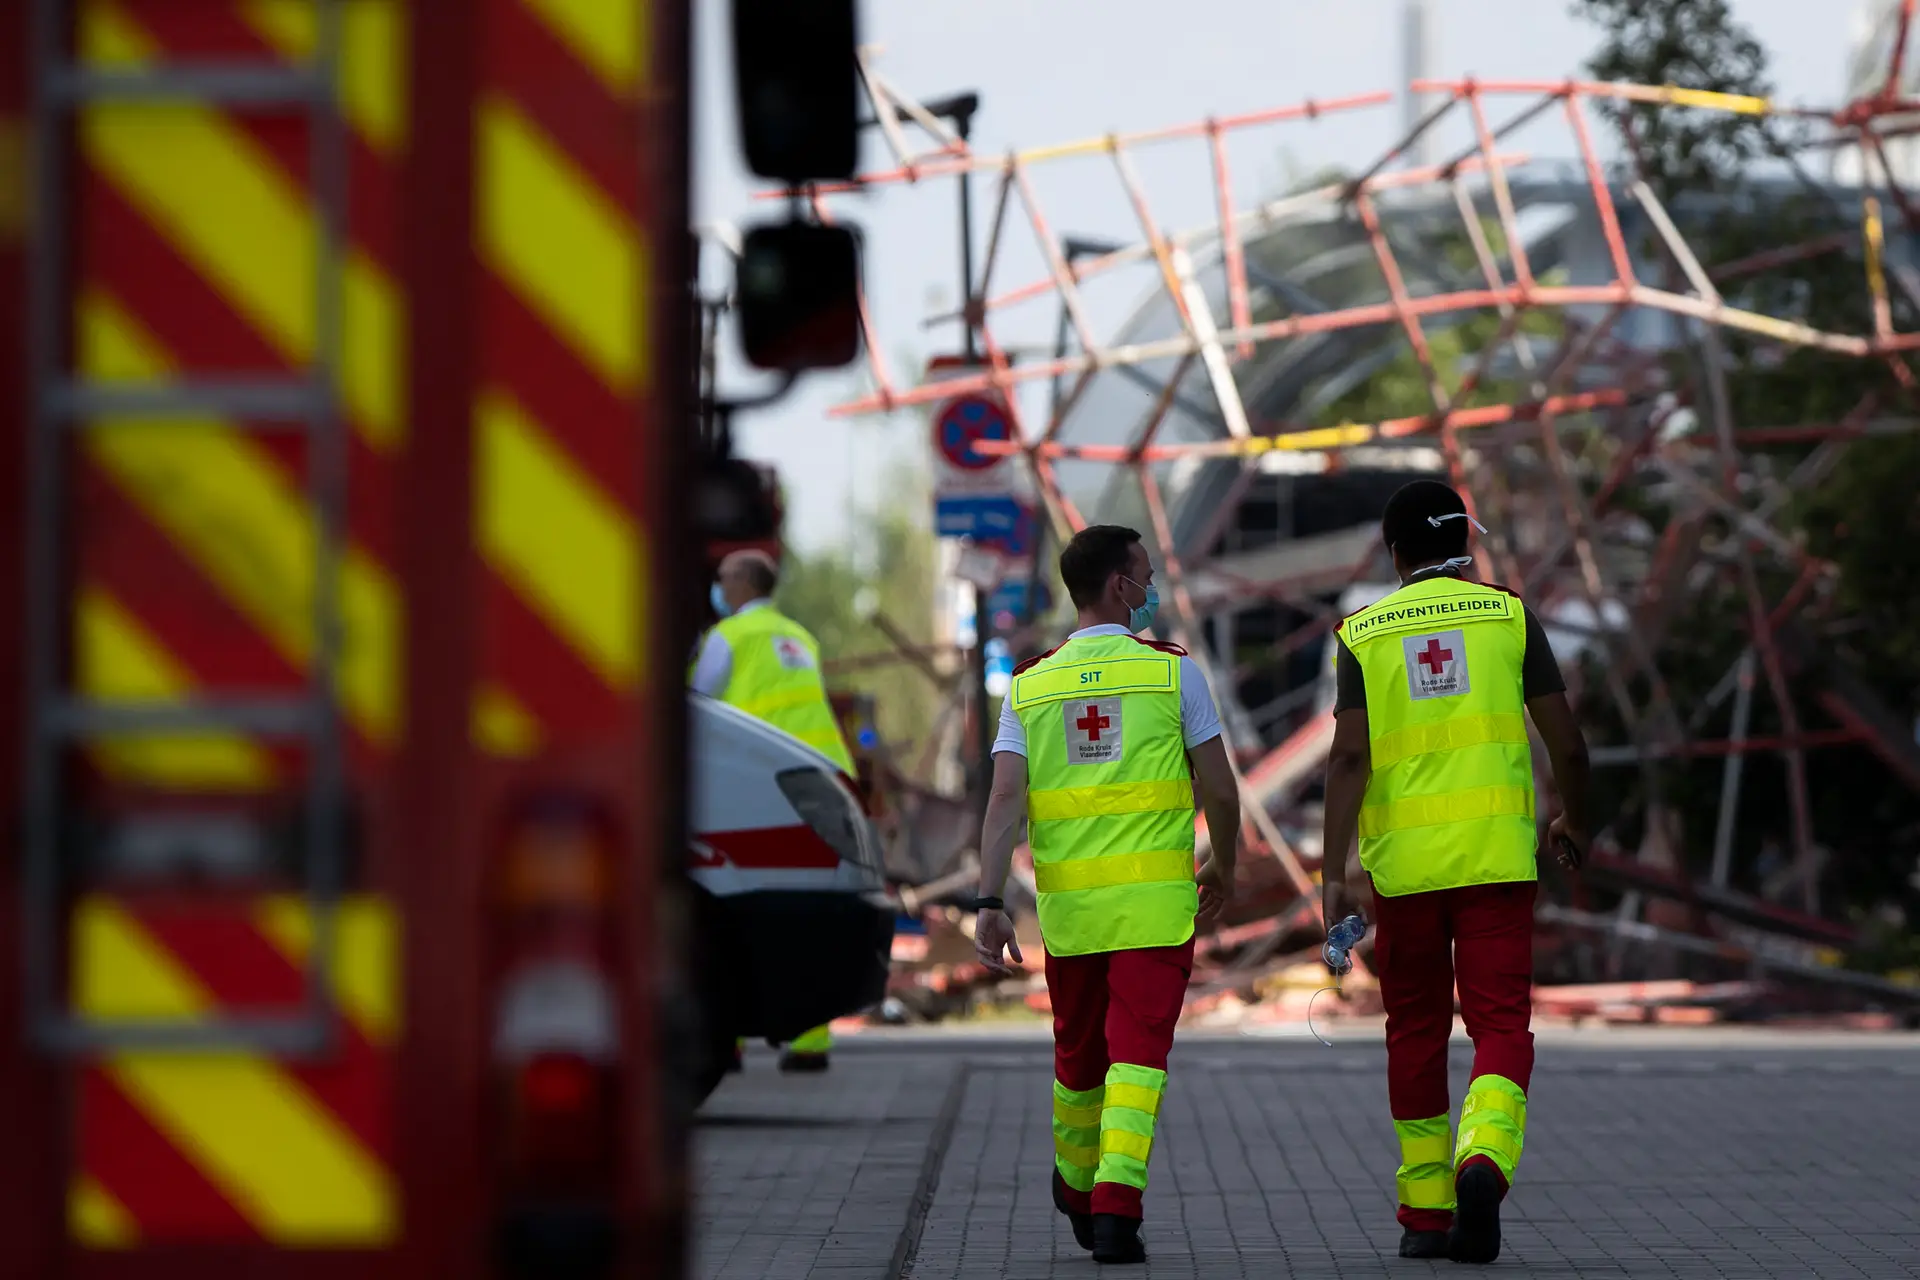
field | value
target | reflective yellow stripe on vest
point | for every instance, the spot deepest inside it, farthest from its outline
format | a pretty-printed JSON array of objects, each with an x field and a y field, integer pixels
[
  {"x": 771, "y": 706},
  {"x": 1448, "y": 735},
  {"x": 1114, "y": 870},
  {"x": 1458, "y": 806},
  {"x": 1115, "y": 798}
]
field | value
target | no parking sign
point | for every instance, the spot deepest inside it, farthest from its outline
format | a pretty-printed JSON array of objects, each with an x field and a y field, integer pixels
[
  {"x": 964, "y": 422},
  {"x": 961, "y": 423},
  {"x": 975, "y": 494}
]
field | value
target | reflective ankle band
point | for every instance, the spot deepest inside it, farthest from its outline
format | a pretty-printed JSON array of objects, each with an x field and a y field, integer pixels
[
  {"x": 1076, "y": 1134},
  {"x": 1493, "y": 1123},
  {"x": 1133, "y": 1097},
  {"x": 1425, "y": 1177}
]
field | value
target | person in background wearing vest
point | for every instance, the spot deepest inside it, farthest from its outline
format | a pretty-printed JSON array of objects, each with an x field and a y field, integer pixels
[
  {"x": 1431, "y": 768},
  {"x": 763, "y": 662},
  {"x": 1100, "y": 743}
]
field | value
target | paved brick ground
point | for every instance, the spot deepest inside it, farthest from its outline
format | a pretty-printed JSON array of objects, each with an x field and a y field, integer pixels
[
  {"x": 803, "y": 1177},
  {"x": 1700, "y": 1158}
]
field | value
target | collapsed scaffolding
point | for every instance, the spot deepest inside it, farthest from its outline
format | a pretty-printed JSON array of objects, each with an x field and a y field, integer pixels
[{"x": 1512, "y": 457}]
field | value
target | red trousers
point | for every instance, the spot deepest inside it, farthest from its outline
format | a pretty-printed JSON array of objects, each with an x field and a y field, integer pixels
[
  {"x": 1480, "y": 937},
  {"x": 1114, "y": 1006}
]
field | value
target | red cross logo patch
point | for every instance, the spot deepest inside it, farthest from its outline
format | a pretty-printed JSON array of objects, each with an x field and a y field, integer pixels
[
  {"x": 1093, "y": 730},
  {"x": 1436, "y": 665},
  {"x": 791, "y": 653}
]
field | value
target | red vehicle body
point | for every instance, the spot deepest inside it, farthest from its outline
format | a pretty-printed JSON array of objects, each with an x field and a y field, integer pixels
[{"x": 343, "y": 492}]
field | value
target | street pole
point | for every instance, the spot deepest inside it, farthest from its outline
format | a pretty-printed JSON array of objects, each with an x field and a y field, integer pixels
[
  {"x": 983, "y": 721},
  {"x": 1073, "y": 248},
  {"x": 963, "y": 125},
  {"x": 962, "y": 110}
]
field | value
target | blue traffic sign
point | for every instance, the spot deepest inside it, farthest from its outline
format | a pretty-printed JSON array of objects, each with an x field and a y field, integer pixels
[
  {"x": 985, "y": 518},
  {"x": 966, "y": 419},
  {"x": 1017, "y": 542},
  {"x": 1010, "y": 597}
]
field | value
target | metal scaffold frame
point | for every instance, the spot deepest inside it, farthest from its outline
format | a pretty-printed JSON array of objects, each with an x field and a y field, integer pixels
[{"x": 1633, "y": 398}]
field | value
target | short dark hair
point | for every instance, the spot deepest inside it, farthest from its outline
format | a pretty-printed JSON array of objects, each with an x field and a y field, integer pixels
[
  {"x": 1406, "y": 527},
  {"x": 760, "y": 574},
  {"x": 1092, "y": 556}
]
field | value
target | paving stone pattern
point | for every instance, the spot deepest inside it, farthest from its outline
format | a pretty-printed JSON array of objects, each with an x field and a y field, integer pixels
[
  {"x": 1276, "y": 1160},
  {"x": 813, "y": 1177}
]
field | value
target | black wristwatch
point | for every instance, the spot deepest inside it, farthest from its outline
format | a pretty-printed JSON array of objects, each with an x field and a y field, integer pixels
[{"x": 986, "y": 904}]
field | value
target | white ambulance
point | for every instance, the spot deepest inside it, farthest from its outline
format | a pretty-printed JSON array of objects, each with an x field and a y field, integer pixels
[{"x": 793, "y": 923}]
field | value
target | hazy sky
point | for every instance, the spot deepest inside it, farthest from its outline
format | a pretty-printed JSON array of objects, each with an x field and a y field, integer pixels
[{"x": 1056, "y": 70}]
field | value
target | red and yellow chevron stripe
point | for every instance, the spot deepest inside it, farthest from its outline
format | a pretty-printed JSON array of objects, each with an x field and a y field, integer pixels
[
  {"x": 557, "y": 188},
  {"x": 195, "y": 258},
  {"x": 204, "y": 1147},
  {"x": 196, "y": 252}
]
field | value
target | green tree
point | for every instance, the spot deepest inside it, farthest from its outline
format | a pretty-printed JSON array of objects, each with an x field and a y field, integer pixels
[
  {"x": 892, "y": 570},
  {"x": 1694, "y": 44},
  {"x": 1863, "y": 516}
]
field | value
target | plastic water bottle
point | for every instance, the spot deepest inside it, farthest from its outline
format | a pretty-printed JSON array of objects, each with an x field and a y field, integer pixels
[{"x": 1340, "y": 940}]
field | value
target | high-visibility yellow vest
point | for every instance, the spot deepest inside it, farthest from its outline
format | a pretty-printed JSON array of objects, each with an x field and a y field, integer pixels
[
  {"x": 1451, "y": 800},
  {"x": 776, "y": 677},
  {"x": 1109, "y": 796}
]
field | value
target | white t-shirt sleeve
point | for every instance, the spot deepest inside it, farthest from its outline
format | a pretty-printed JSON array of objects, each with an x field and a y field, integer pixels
[
  {"x": 1199, "y": 718},
  {"x": 715, "y": 666},
  {"x": 1013, "y": 735}
]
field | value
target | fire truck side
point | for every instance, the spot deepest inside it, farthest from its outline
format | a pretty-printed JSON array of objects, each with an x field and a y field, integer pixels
[{"x": 344, "y": 932}]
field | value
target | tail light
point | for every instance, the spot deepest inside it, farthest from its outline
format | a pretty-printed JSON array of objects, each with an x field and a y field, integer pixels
[
  {"x": 827, "y": 804},
  {"x": 556, "y": 1037}
]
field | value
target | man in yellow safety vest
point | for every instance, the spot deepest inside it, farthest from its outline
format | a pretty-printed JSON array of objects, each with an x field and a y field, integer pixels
[
  {"x": 1432, "y": 769},
  {"x": 1099, "y": 746},
  {"x": 766, "y": 664}
]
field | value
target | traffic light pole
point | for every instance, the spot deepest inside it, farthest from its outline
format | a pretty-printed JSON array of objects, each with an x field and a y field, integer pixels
[{"x": 960, "y": 110}]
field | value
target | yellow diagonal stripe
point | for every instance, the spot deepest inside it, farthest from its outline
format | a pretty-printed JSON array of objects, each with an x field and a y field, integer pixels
[
  {"x": 373, "y": 56},
  {"x": 96, "y": 1219},
  {"x": 608, "y": 35},
  {"x": 13, "y": 181},
  {"x": 287, "y": 1165},
  {"x": 366, "y": 962},
  {"x": 231, "y": 510},
  {"x": 502, "y": 726},
  {"x": 562, "y": 246},
  {"x": 1739, "y": 103},
  {"x": 546, "y": 528},
  {"x": 117, "y": 658},
  {"x": 222, "y": 203}
]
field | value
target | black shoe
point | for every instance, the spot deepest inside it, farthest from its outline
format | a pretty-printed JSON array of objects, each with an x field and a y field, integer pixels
[
  {"x": 1082, "y": 1223},
  {"x": 1476, "y": 1217},
  {"x": 1423, "y": 1244},
  {"x": 1116, "y": 1240},
  {"x": 802, "y": 1063}
]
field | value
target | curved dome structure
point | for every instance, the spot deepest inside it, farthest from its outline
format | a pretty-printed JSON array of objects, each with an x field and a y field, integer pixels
[
  {"x": 1326, "y": 263},
  {"x": 1307, "y": 265}
]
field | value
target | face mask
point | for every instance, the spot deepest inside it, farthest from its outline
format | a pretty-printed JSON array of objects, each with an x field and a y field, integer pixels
[
  {"x": 1142, "y": 615},
  {"x": 719, "y": 600},
  {"x": 1457, "y": 562}
]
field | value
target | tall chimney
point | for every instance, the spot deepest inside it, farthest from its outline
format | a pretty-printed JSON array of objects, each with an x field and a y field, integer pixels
[{"x": 1416, "y": 63}]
